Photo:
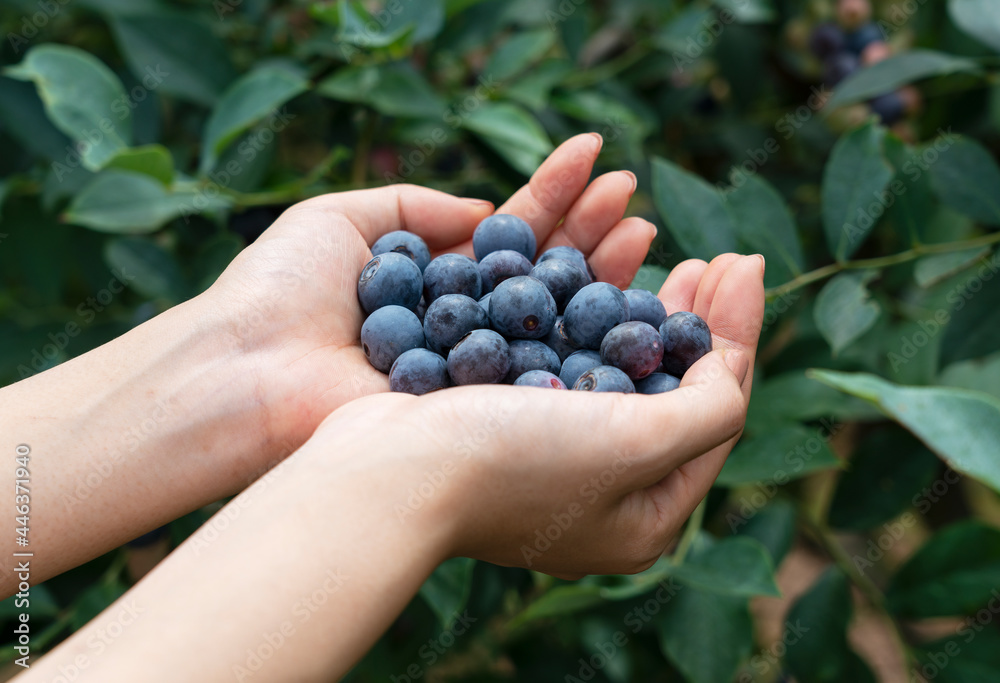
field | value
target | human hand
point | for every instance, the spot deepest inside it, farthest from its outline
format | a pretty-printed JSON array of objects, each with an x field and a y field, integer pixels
[
  {"x": 569, "y": 483},
  {"x": 290, "y": 298}
]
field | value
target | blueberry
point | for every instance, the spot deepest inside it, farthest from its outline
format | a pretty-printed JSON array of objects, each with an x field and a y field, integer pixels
[
  {"x": 839, "y": 67},
  {"x": 890, "y": 107},
  {"x": 421, "y": 309},
  {"x": 635, "y": 348},
  {"x": 646, "y": 307},
  {"x": 480, "y": 357},
  {"x": 389, "y": 280},
  {"x": 857, "y": 41},
  {"x": 539, "y": 378},
  {"x": 388, "y": 333},
  {"x": 485, "y": 302},
  {"x": 452, "y": 274},
  {"x": 405, "y": 243},
  {"x": 418, "y": 372},
  {"x": 503, "y": 231},
  {"x": 657, "y": 383},
  {"x": 593, "y": 312},
  {"x": 605, "y": 378},
  {"x": 527, "y": 355},
  {"x": 562, "y": 278},
  {"x": 557, "y": 340},
  {"x": 686, "y": 338},
  {"x": 522, "y": 307},
  {"x": 502, "y": 265},
  {"x": 451, "y": 317},
  {"x": 826, "y": 40},
  {"x": 571, "y": 254},
  {"x": 577, "y": 364}
]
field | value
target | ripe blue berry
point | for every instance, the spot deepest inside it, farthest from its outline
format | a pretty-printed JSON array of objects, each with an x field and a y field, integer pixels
[
  {"x": 539, "y": 378},
  {"x": 418, "y": 372},
  {"x": 635, "y": 348},
  {"x": 522, "y": 307},
  {"x": 451, "y": 317},
  {"x": 452, "y": 274},
  {"x": 557, "y": 340},
  {"x": 527, "y": 355},
  {"x": 388, "y": 333},
  {"x": 485, "y": 302},
  {"x": 562, "y": 278},
  {"x": 645, "y": 306},
  {"x": 826, "y": 40},
  {"x": 686, "y": 338},
  {"x": 405, "y": 243},
  {"x": 503, "y": 231},
  {"x": 857, "y": 41},
  {"x": 890, "y": 107},
  {"x": 571, "y": 254},
  {"x": 577, "y": 364},
  {"x": 839, "y": 67},
  {"x": 592, "y": 313},
  {"x": 480, "y": 357},
  {"x": 605, "y": 378},
  {"x": 657, "y": 383},
  {"x": 502, "y": 265},
  {"x": 389, "y": 280}
]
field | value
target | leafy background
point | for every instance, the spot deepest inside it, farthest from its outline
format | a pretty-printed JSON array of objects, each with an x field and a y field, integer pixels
[{"x": 853, "y": 534}]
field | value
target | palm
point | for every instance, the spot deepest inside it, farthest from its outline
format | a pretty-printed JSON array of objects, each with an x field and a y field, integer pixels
[{"x": 297, "y": 284}]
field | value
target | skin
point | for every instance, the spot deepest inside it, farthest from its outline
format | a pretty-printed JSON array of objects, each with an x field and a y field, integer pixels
[{"x": 267, "y": 363}]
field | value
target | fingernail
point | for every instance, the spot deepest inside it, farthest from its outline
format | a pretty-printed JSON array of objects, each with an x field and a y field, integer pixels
[
  {"x": 737, "y": 361},
  {"x": 479, "y": 202},
  {"x": 763, "y": 263},
  {"x": 635, "y": 181},
  {"x": 598, "y": 142}
]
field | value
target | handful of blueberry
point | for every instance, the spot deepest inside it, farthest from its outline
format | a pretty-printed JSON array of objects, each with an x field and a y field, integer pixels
[{"x": 453, "y": 320}]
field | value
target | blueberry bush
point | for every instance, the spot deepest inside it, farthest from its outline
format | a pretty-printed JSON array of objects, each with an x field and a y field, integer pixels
[{"x": 854, "y": 534}]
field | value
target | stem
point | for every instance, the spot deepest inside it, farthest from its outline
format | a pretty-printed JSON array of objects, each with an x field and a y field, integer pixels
[
  {"x": 881, "y": 262},
  {"x": 359, "y": 170},
  {"x": 607, "y": 70},
  {"x": 690, "y": 532}
]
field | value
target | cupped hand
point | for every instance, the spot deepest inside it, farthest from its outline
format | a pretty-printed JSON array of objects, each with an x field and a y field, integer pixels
[
  {"x": 568, "y": 483},
  {"x": 290, "y": 299}
]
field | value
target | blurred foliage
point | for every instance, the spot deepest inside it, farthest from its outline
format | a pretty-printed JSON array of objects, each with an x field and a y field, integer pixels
[{"x": 144, "y": 142}]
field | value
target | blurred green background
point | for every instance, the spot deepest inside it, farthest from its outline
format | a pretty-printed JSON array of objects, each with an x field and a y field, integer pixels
[{"x": 853, "y": 534}]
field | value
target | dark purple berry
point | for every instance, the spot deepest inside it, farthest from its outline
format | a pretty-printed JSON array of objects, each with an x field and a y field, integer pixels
[
  {"x": 539, "y": 378},
  {"x": 686, "y": 338},
  {"x": 635, "y": 348}
]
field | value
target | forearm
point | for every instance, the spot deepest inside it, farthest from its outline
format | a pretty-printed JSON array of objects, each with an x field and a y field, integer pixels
[
  {"x": 129, "y": 436},
  {"x": 293, "y": 581}
]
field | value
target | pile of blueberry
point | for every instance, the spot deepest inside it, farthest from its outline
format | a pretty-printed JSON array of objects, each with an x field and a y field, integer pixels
[
  {"x": 854, "y": 41},
  {"x": 501, "y": 319}
]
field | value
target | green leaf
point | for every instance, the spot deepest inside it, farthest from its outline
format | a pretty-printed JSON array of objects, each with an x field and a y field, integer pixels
[
  {"x": 603, "y": 109},
  {"x": 737, "y": 566},
  {"x": 152, "y": 160},
  {"x": 518, "y": 53},
  {"x": 359, "y": 28},
  {"x": 962, "y": 427},
  {"x": 765, "y": 225},
  {"x": 853, "y": 182},
  {"x": 844, "y": 309},
  {"x": 913, "y": 204},
  {"x": 780, "y": 455},
  {"x": 533, "y": 88},
  {"x": 818, "y": 651},
  {"x": 126, "y": 202},
  {"x": 42, "y": 605},
  {"x": 22, "y": 116},
  {"x": 446, "y": 590},
  {"x": 967, "y": 178},
  {"x": 897, "y": 71},
  {"x": 981, "y": 374},
  {"x": 793, "y": 397},
  {"x": 650, "y": 278},
  {"x": 393, "y": 89},
  {"x": 888, "y": 469},
  {"x": 773, "y": 527},
  {"x": 931, "y": 270},
  {"x": 694, "y": 212},
  {"x": 968, "y": 657},
  {"x": 251, "y": 99},
  {"x": 93, "y": 601},
  {"x": 955, "y": 573},
  {"x": 82, "y": 97},
  {"x": 979, "y": 18},
  {"x": 512, "y": 132},
  {"x": 972, "y": 330},
  {"x": 174, "y": 53},
  {"x": 156, "y": 273}
]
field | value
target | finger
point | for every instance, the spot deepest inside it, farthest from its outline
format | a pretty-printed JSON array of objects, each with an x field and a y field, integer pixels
[
  {"x": 556, "y": 185},
  {"x": 677, "y": 293},
  {"x": 738, "y": 309},
  {"x": 710, "y": 282},
  {"x": 439, "y": 218},
  {"x": 598, "y": 210},
  {"x": 618, "y": 257}
]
